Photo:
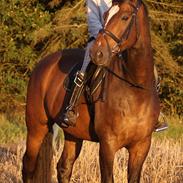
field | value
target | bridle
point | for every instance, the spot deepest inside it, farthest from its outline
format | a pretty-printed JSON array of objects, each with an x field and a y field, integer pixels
[
  {"x": 124, "y": 37},
  {"x": 121, "y": 40}
]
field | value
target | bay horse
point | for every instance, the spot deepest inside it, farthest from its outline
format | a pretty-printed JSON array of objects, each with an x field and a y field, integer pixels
[{"x": 123, "y": 48}]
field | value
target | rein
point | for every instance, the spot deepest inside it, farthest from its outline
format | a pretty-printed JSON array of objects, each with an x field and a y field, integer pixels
[{"x": 123, "y": 79}]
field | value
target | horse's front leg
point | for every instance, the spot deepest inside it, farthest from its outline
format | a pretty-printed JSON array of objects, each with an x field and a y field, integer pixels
[
  {"x": 137, "y": 155},
  {"x": 107, "y": 153},
  {"x": 71, "y": 151}
]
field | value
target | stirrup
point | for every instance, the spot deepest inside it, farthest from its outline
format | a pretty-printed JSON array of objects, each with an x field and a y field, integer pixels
[
  {"x": 70, "y": 117},
  {"x": 161, "y": 126}
]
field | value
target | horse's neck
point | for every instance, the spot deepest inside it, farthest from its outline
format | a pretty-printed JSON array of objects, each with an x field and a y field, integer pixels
[
  {"x": 140, "y": 65},
  {"x": 140, "y": 59},
  {"x": 136, "y": 68}
]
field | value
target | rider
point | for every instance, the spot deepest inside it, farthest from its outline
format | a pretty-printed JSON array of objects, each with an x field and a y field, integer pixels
[{"x": 95, "y": 12}]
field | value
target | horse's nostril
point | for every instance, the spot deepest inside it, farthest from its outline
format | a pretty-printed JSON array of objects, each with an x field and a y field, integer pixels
[{"x": 99, "y": 54}]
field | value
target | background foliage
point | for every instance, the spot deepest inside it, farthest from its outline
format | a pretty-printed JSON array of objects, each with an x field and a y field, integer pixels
[{"x": 31, "y": 29}]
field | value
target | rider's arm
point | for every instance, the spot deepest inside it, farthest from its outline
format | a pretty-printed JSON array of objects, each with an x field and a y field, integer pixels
[{"x": 95, "y": 11}]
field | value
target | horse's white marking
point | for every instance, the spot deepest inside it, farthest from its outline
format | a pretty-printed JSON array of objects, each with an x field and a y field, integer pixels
[{"x": 111, "y": 13}]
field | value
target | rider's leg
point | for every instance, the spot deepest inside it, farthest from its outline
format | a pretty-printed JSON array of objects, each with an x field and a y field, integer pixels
[
  {"x": 161, "y": 123},
  {"x": 71, "y": 114}
]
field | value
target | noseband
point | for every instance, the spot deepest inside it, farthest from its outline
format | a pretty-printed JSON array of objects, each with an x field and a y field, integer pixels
[{"x": 124, "y": 37}]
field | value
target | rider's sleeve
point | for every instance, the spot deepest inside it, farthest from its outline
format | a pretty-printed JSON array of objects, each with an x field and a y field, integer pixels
[
  {"x": 94, "y": 17},
  {"x": 95, "y": 11}
]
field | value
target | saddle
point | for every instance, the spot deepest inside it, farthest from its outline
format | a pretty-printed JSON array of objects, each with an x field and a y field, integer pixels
[{"x": 95, "y": 76}]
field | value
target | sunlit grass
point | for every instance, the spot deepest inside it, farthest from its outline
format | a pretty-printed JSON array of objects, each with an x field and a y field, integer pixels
[
  {"x": 175, "y": 130},
  {"x": 164, "y": 163},
  {"x": 11, "y": 130}
]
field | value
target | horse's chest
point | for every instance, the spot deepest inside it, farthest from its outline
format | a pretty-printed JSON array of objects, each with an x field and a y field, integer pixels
[
  {"x": 127, "y": 104},
  {"x": 124, "y": 108}
]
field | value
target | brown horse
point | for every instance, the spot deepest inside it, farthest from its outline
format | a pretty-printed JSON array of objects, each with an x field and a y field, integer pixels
[{"x": 131, "y": 105}]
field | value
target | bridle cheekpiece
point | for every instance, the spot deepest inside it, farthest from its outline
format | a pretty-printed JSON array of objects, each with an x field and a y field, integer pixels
[{"x": 124, "y": 37}]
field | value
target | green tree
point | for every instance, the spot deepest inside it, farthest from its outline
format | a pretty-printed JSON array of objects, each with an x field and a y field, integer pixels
[{"x": 32, "y": 29}]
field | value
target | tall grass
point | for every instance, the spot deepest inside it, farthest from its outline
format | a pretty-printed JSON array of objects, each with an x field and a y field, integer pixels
[
  {"x": 11, "y": 129},
  {"x": 164, "y": 163},
  {"x": 175, "y": 130}
]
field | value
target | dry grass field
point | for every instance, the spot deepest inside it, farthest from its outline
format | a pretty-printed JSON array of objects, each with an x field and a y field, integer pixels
[{"x": 164, "y": 163}]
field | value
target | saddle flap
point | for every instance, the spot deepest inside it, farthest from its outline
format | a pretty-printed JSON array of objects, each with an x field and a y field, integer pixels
[{"x": 68, "y": 82}]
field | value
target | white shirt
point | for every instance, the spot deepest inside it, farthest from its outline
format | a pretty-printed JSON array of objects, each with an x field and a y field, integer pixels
[{"x": 95, "y": 11}]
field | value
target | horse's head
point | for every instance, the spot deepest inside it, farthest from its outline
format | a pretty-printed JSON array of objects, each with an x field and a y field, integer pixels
[{"x": 120, "y": 32}]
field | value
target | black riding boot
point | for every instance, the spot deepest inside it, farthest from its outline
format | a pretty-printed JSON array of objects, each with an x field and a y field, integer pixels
[{"x": 71, "y": 113}]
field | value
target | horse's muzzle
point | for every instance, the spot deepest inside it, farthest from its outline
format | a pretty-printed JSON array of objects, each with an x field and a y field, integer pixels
[{"x": 98, "y": 57}]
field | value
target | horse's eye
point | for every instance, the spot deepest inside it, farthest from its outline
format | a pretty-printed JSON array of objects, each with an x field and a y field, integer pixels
[{"x": 125, "y": 18}]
